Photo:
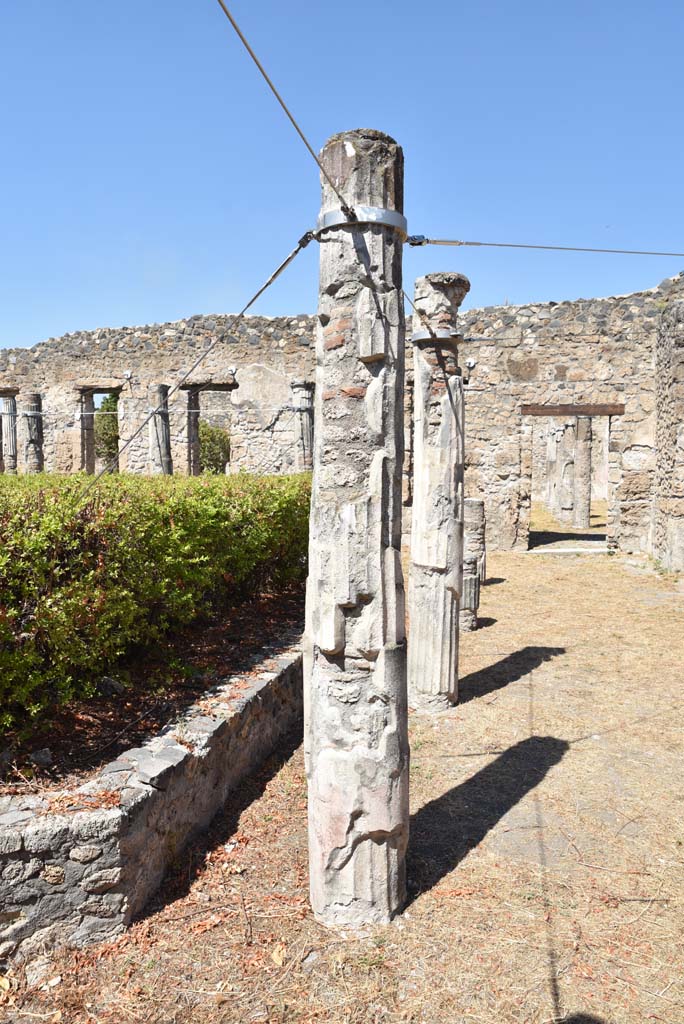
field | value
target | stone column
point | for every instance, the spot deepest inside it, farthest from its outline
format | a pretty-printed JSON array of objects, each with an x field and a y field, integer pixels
[
  {"x": 194, "y": 468},
  {"x": 9, "y": 434},
  {"x": 84, "y": 446},
  {"x": 356, "y": 741},
  {"x": 470, "y": 594},
  {"x": 552, "y": 442},
  {"x": 437, "y": 527},
  {"x": 582, "y": 480},
  {"x": 160, "y": 431},
  {"x": 33, "y": 449},
  {"x": 566, "y": 473},
  {"x": 302, "y": 403},
  {"x": 474, "y": 530}
]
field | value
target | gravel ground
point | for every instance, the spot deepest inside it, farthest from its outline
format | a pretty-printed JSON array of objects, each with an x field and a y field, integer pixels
[{"x": 546, "y": 864}]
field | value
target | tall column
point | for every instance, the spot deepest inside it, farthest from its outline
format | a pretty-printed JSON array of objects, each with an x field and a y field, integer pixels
[
  {"x": 437, "y": 527},
  {"x": 33, "y": 449},
  {"x": 566, "y": 473},
  {"x": 356, "y": 739},
  {"x": 84, "y": 440},
  {"x": 160, "y": 431},
  {"x": 2, "y": 453},
  {"x": 552, "y": 443},
  {"x": 194, "y": 468},
  {"x": 582, "y": 483},
  {"x": 9, "y": 434},
  {"x": 302, "y": 403}
]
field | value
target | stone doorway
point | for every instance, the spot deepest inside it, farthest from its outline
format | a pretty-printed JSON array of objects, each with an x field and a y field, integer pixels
[{"x": 569, "y": 476}]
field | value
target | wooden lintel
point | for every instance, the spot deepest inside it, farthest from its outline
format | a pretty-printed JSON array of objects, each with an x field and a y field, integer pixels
[
  {"x": 599, "y": 409},
  {"x": 210, "y": 386}
]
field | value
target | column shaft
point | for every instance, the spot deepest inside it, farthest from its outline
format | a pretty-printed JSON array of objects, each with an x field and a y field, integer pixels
[
  {"x": 582, "y": 484},
  {"x": 302, "y": 403},
  {"x": 33, "y": 449},
  {"x": 437, "y": 525},
  {"x": 9, "y": 434},
  {"x": 356, "y": 740},
  {"x": 194, "y": 467}
]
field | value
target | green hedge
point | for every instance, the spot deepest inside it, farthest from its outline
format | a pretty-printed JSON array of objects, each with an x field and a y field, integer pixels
[{"x": 82, "y": 583}]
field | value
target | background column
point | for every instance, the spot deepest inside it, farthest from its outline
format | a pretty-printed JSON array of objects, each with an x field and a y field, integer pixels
[
  {"x": 33, "y": 448},
  {"x": 582, "y": 497},
  {"x": 302, "y": 402},
  {"x": 437, "y": 527},
  {"x": 9, "y": 433}
]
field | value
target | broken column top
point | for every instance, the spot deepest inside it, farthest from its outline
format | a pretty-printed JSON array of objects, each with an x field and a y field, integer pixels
[
  {"x": 438, "y": 297},
  {"x": 366, "y": 163}
]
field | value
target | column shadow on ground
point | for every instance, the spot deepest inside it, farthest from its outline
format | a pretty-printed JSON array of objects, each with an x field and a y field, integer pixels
[
  {"x": 507, "y": 670},
  {"x": 539, "y": 538},
  {"x": 448, "y": 828},
  {"x": 582, "y": 1018},
  {"x": 180, "y": 876}
]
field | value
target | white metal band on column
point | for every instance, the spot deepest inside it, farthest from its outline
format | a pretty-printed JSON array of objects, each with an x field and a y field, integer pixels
[{"x": 364, "y": 215}]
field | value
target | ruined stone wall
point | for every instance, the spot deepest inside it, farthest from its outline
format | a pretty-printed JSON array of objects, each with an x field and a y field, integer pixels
[
  {"x": 267, "y": 352},
  {"x": 668, "y": 540},
  {"x": 588, "y": 351}
]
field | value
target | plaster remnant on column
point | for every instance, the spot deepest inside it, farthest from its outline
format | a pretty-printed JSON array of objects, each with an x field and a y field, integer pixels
[
  {"x": 356, "y": 740},
  {"x": 582, "y": 475},
  {"x": 302, "y": 403},
  {"x": 437, "y": 525}
]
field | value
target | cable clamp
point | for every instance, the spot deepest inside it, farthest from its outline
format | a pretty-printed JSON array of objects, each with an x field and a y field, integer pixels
[
  {"x": 417, "y": 240},
  {"x": 305, "y": 239},
  {"x": 363, "y": 215}
]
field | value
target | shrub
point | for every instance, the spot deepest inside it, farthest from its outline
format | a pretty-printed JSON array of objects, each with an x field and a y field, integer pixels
[
  {"x": 214, "y": 448},
  {"x": 106, "y": 429},
  {"x": 82, "y": 583}
]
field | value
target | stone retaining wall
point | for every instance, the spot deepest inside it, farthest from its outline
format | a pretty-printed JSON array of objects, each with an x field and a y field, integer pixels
[{"x": 75, "y": 868}]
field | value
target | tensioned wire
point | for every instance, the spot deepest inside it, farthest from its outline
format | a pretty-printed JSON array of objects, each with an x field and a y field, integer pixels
[{"x": 414, "y": 240}]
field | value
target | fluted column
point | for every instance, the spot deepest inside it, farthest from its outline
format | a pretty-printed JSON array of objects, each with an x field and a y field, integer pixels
[
  {"x": 9, "y": 434},
  {"x": 437, "y": 526},
  {"x": 356, "y": 741}
]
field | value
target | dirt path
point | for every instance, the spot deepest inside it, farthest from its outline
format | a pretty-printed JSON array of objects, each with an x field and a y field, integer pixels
[{"x": 547, "y": 856}]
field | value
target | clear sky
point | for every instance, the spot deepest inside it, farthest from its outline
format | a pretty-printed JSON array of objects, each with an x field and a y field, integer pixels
[{"x": 147, "y": 174}]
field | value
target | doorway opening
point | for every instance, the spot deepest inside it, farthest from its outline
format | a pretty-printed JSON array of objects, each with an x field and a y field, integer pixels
[{"x": 569, "y": 486}]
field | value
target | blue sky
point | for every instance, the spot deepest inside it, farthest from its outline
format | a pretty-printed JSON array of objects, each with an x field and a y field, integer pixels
[{"x": 146, "y": 173}]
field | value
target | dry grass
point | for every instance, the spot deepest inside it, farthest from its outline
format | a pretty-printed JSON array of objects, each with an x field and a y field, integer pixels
[{"x": 546, "y": 860}]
